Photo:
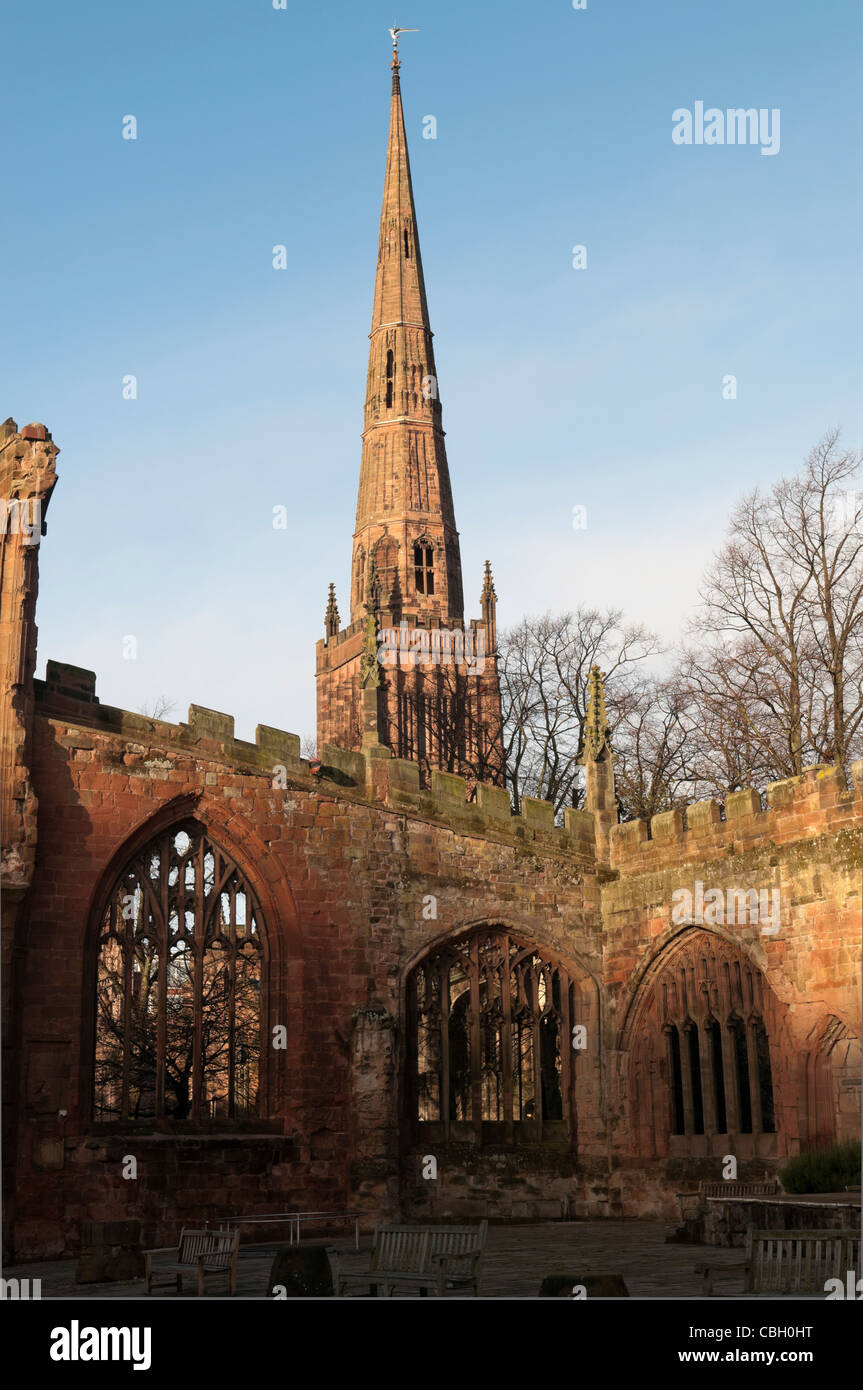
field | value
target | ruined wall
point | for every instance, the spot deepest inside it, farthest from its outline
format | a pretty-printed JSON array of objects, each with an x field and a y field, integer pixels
[
  {"x": 27, "y": 480},
  {"x": 802, "y": 857},
  {"x": 342, "y": 866}
]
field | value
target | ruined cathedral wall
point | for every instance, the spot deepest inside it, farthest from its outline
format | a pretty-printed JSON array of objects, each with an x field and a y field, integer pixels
[
  {"x": 781, "y": 889},
  {"x": 356, "y": 872}
]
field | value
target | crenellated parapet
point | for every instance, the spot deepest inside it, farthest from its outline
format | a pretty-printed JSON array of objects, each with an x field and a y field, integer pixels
[
  {"x": 818, "y": 801},
  {"x": 69, "y": 693}
]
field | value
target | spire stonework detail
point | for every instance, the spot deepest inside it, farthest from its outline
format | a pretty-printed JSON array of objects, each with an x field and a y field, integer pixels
[{"x": 442, "y": 713}]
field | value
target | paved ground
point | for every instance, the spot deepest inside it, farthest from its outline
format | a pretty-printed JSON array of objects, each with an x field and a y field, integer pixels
[{"x": 517, "y": 1259}]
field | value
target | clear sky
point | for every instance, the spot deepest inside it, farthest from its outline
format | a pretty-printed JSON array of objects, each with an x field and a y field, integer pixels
[{"x": 600, "y": 387}]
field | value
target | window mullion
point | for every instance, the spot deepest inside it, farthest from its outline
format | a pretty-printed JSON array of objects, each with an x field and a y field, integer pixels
[
  {"x": 506, "y": 1038},
  {"x": 475, "y": 1041},
  {"x": 128, "y": 957},
  {"x": 232, "y": 995},
  {"x": 198, "y": 984},
  {"x": 162, "y": 976}
]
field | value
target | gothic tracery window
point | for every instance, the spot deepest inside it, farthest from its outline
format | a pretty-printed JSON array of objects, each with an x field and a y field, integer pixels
[
  {"x": 701, "y": 1058},
  {"x": 424, "y": 567},
  {"x": 178, "y": 986},
  {"x": 489, "y": 1025}
]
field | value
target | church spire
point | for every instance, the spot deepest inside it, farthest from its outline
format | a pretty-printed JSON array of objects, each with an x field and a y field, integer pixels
[
  {"x": 400, "y": 295},
  {"x": 404, "y": 506},
  {"x": 434, "y": 697}
]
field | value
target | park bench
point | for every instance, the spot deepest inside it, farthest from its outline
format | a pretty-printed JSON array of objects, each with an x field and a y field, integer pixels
[
  {"x": 731, "y": 1190},
  {"x": 198, "y": 1252},
  {"x": 790, "y": 1261},
  {"x": 441, "y": 1258}
]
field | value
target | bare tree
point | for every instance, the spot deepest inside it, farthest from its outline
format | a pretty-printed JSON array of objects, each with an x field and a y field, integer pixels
[
  {"x": 544, "y": 668},
  {"x": 158, "y": 709},
  {"x": 777, "y": 681}
]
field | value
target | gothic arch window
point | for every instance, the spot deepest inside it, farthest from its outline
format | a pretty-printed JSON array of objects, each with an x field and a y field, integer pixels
[
  {"x": 424, "y": 567},
  {"x": 707, "y": 999},
  {"x": 387, "y": 566},
  {"x": 180, "y": 964},
  {"x": 489, "y": 1052}
]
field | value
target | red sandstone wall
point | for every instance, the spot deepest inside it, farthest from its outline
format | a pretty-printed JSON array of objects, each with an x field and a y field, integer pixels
[
  {"x": 341, "y": 881},
  {"x": 342, "y": 866},
  {"x": 807, "y": 846}
]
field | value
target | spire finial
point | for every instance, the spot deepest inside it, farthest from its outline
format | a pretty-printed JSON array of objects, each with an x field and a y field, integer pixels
[
  {"x": 394, "y": 33},
  {"x": 597, "y": 735},
  {"x": 331, "y": 617}
]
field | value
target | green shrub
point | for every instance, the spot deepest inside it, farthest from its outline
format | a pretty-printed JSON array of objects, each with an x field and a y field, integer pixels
[{"x": 824, "y": 1170}]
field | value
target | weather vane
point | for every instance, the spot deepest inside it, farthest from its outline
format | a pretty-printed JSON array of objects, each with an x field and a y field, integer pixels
[{"x": 394, "y": 32}]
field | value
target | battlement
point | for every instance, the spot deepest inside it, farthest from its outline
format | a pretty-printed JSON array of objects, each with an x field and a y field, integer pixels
[
  {"x": 817, "y": 801},
  {"x": 69, "y": 693}
]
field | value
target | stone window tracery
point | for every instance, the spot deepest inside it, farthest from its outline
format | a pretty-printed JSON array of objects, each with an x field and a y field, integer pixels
[
  {"x": 489, "y": 1028},
  {"x": 178, "y": 986},
  {"x": 701, "y": 1057},
  {"x": 424, "y": 567}
]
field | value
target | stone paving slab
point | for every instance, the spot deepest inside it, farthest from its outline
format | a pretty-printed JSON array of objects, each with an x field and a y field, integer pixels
[{"x": 517, "y": 1259}]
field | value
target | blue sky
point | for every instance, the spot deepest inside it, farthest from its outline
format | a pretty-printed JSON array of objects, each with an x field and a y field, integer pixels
[{"x": 599, "y": 387}]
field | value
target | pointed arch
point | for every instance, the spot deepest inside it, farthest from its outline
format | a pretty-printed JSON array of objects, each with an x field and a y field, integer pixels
[
  {"x": 697, "y": 1034},
  {"x": 490, "y": 1019},
  {"x": 185, "y": 973}
]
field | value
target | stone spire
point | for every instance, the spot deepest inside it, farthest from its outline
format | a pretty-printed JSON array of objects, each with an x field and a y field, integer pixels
[
  {"x": 403, "y": 677},
  {"x": 332, "y": 621},
  {"x": 598, "y": 760},
  {"x": 404, "y": 505}
]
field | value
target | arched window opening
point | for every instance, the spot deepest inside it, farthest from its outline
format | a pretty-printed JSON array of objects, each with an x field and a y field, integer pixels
[
  {"x": 424, "y": 568},
  {"x": 708, "y": 999},
  {"x": 741, "y": 1062},
  {"x": 488, "y": 1024},
  {"x": 407, "y": 246},
  {"x": 178, "y": 986},
  {"x": 715, "y": 1040},
  {"x": 678, "y": 1124},
  {"x": 765, "y": 1078},
  {"x": 391, "y": 371},
  {"x": 387, "y": 567},
  {"x": 695, "y": 1080}
]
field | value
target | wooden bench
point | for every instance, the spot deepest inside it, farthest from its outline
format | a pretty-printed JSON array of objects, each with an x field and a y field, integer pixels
[
  {"x": 198, "y": 1252},
  {"x": 441, "y": 1258},
  {"x": 790, "y": 1261},
  {"x": 731, "y": 1190}
]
